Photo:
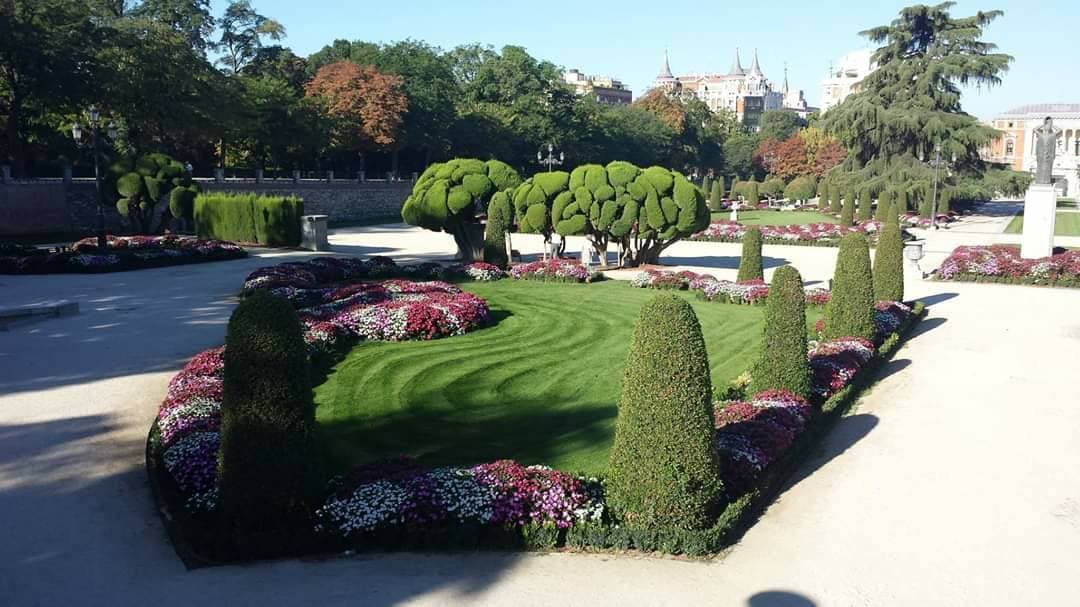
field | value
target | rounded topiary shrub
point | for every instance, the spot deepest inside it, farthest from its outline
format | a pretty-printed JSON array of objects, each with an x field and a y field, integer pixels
[
  {"x": 663, "y": 471},
  {"x": 850, "y": 312},
  {"x": 847, "y": 212},
  {"x": 866, "y": 207},
  {"x": 750, "y": 266},
  {"x": 884, "y": 204},
  {"x": 782, "y": 364},
  {"x": 498, "y": 224},
  {"x": 889, "y": 265},
  {"x": 269, "y": 461}
]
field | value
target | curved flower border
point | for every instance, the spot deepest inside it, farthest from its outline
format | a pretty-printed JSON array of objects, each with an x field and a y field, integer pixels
[{"x": 124, "y": 253}]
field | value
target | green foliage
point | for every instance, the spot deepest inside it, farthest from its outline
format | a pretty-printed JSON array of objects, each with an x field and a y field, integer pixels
[
  {"x": 866, "y": 209},
  {"x": 847, "y": 212},
  {"x": 782, "y": 364},
  {"x": 715, "y": 196},
  {"x": 835, "y": 198},
  {"x": 926, "y": 208},
  {"x": 850, "y": 313},
  {"x": 902, "y": 201},
  {"x": 131, "y": 186},
  {"x": 663, "y": 470},
  {"x": 265, "y": 220},
  {"x": 141, "y": 183},
  {"x": 889, "y": 265},
  {"x": 893, "y": 214},
  {"x": 884, "y": 206},
  {"x": 750, "y": 265},
  {"x": 269, "y": 461},
  {"x": 752, "y": 192},
  {"x": 944, "y": 201},
  {"x": 182, "y": 202},
  {"x": 800, "y": 188},
  {"x": 455, "y": 192},
  {"x": 734, "y": 194},
  {"x": 823, "y": 196},
  {"x": 772, "y": 188},
  {"x": 498, "y": 224}
]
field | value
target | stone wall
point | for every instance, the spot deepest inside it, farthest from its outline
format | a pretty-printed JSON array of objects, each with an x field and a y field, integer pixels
[{"x": 56, "y": 206}]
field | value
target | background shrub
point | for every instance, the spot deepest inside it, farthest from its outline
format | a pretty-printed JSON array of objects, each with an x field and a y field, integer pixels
[
  {"x": 889, "y": 265},
  {"x": 823, "y": 196},
  {"x": 884, "y": 203},
  {"x": 266, "y": 220},
  {"x": 716, "y": 195},
  {"x": 800, "y": 188},
  {"x": 850, "y": 312},
  {"x": 835, "y": 197},
  {"x": 847, "y": 212},
  {"x": 734, "y": 194},
  {"x": 498, "y": 224},
  {"x": 750, "y": 266},
  {"x": 752, "y": 192},
  {"x": 782, "y": 364},
  {"x": 866, "y": 207},
  {"x": 773, "y": 187},
  {"x": 663, "y": 471},
  {"x": 269, "y": 461},
  {"x": 944, "y": 201}
]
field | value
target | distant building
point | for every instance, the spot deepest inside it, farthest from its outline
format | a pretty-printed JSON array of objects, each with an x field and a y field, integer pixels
[
  {"x": 746, "y": 92},
  {"x": 604, "y": 89},
  {"x": 1015, "y": 146},
  {"x": 845, "y": 78}
]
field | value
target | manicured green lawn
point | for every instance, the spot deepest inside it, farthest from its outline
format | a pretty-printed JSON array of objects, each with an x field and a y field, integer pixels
[
  {"x": 758, "y": 217},
  {"x": 1066, "y": 224},
  {"x": 540, "y": 386}
]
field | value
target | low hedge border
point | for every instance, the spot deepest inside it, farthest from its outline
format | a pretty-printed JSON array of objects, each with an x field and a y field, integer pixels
[
  {"x": 1061, "y": 283},
  {"x": 191, "y": 535}
]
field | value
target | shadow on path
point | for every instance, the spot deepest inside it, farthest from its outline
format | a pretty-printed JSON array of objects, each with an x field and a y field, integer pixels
[
  {"x": 779, "y": 598},
  {"x": 847, "y": 431},
  {"x": 930, "y": 300},
  {"x": 726, "y": 262}
]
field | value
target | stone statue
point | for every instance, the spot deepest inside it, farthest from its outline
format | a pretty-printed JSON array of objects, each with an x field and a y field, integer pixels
[{"x": 1046, "y": 137}]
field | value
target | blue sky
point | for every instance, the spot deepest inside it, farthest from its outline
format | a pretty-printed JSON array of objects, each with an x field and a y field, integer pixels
[{"x": 627, "y": 39}]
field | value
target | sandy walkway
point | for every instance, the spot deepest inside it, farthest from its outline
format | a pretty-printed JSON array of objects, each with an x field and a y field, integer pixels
[{"x": 954, "y": 484}]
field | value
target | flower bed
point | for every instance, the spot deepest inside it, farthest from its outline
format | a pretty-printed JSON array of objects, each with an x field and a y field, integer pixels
[
  {"x": 555, "y": 270},
  {"x": 813, "y": 234},
  {"x": 918, "y": 221},
  {"x": 751, "y": 292},
  {"x": 1002, "y": 263},
  {"x": 124, "y": 253}
]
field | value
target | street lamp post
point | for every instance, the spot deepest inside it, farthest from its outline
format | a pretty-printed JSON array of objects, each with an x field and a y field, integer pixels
[
  {"x": 94, "y": 116},
  {"x": 937, "y": 165},
  {"x": 550, "y": 160}
]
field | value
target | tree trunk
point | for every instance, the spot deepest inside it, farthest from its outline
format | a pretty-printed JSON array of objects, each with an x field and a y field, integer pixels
[
  {"x": 599, "y": 244},
  {"x": 469, "y": 238}
]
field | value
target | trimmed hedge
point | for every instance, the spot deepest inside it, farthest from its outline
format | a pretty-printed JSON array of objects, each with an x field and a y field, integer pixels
[
  {"x": 847, "y": 212},
  {"x": 850, "y": 313},
  {"x": 885, "y": 200},
  {"x": 823, "y": 196},
  {"x": 498, "y": 224},
  {"x": 889, "y": 265},
  {"x": 835, "y": 200},
  {"x": 750, "y": 266},
  {"x": 866, "y": 207},
  {"x": 269, "y": 462},
  {"x": 716, "y": 194},
  {"x": 663, "y": 471},
  {"x": 782, "y": 364},
  {"x": 267, "y": 220}
]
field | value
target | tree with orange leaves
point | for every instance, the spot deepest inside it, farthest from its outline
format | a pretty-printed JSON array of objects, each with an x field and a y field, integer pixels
[
  {"x": 366, "y": 106},
  {"x": 670, "y": 111}
]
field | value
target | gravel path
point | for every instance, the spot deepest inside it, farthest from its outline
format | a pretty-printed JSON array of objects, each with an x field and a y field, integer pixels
[{"x": 955, "y": 482}]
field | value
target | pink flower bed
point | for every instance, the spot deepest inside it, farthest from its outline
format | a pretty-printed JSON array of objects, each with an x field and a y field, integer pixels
[
  {"x": 725, "y": 230},
  {"x": 555, "y": 270},
  {"x": 918, "y": 221},
  {"x": 124, "y": 253},
  {"x": 751, "y": 435},
  {"x": 712, "y": 289},
  {"x": 1002, "y": 263}
]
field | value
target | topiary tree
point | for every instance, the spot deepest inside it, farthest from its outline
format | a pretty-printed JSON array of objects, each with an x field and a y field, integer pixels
[
  {"x": 800, "y": 188},
  {"x": 835, "y": 200},
  {"x": 716, "y": 195},
  {"x": 850, "y": 312},
  {"x": 944, "y": 201},
  {"x": 902, "y": 201},
  {"x": 603, "y": 203},
  {"x": 451, "y": 196},
  {"x": 673, "y": 209},
  {"x": 893, "y": 215},
  {"x": 735, "y": 191},
  {"x": 540, "y": 202},
  {"x": 823, "y": 196},
  {"x": 269, "y": 459},
  {"x": 884, "y": 205},
  {"x": 752, "y": 192},
  {"x": 706, "y": 185},
  {"x": 782, "y": 364},
  {"x": 498, "y": 224},
  {"x": 750, "y": 267},
  {"x": 663, "y": 472},
  {"x": 889, "y": 265},
  {"x": 143, "y": 183},
  {"x": 847, "y": 212},
  {"x": 866, "y": 209},
  {"x": 926, "y": 208},
  {"x": 772, "y": 188}
]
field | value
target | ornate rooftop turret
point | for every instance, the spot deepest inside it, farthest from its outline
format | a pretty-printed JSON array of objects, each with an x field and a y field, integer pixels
[
  {"x": 666, "y": 72},
  {"x": 737, "y": 68},
  {"x": 755, "y": 69}
]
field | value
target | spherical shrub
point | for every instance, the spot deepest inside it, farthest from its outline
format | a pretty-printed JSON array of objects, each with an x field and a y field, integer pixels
[
  {"x": 750, "y": 267},
  {"x": 889, "y": 265},
  {"x": 782, "y": 364},
  {"x": 663, "y": 471},
  {"x": 269, "y": 460},
  {"x": 850, "y": 313}
]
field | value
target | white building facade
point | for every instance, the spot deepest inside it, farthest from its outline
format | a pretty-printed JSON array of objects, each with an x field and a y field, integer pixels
[
  {"x": 845, "y": 76},
  {"x": 604, "y": 89},
  {"x": 1015, "y": 146}
]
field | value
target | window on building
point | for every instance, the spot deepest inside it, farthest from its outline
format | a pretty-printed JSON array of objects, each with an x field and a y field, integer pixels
[
  {"x": 1010, "y": 147},
  {"x": 1010, "y": 125}
]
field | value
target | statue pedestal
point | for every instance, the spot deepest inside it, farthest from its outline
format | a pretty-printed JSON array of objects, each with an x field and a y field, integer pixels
[{"x": 1040, "y": 212}]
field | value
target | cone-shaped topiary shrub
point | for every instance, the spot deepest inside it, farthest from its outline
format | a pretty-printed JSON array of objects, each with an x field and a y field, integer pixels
[
  {"x": 706, "y": 185},
  {"x": 884, "y": 203},
  {"x": 498, "y": 224},
  {"x": 889, "y": 265},
  {"x": 716, "y": 194},
  {"x": 269, "y": 460},
  {"x": 893, "y": 214},
  {"x": 734, "y": 194},
  {"x": 866, "y": 208},
  {"x": 902, "y": 201},
  {"x": 835, "y": 198},
  {"x": 782, "y": 364},
  {"x": 944, "y": 201},
  {"x": 750, "y": 266},
  {"x": 926, "y": 208},
  {"x": 823, "y": 196},
  {"x": 752, "y": 192},
  {"x": 663, "y": 471},
  {"x": 850, "y": 312},
  {"x": 847, "y": 212}
]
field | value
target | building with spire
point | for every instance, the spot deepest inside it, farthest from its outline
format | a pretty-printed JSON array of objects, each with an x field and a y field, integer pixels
[{"x": 746, "y": 92}]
